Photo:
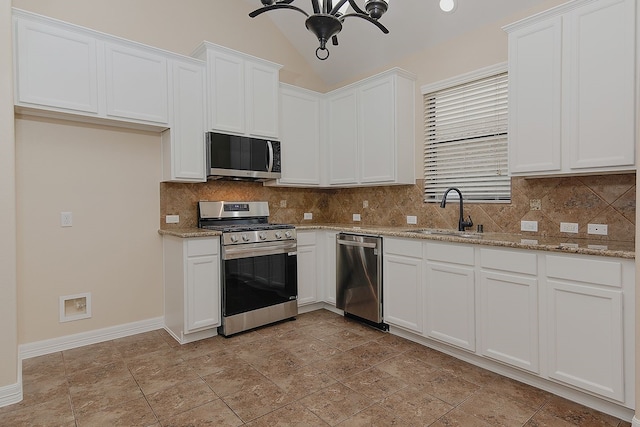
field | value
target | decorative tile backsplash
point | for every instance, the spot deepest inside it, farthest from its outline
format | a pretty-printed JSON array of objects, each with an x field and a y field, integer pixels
[{"x": 600, "y": 199}]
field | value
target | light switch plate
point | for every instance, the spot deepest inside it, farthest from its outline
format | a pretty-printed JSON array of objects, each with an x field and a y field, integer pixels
[
  {"x": 308, "y": 215},
  {"x": 412, "y": 219},
  {"x": 356, "y": 217},
  {"x": 172, "y": 219},
  {"x": 529, "y": 225}
]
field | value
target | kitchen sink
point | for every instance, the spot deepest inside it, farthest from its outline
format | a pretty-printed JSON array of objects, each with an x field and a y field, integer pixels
[{"x": 439, "y": 232}]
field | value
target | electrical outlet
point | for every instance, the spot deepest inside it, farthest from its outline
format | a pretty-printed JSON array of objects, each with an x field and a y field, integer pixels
[
  {"x": 601, "y": 229},
  {"x": 529, "y": 225},
  {"x": 172, "y": 219},
  {"x": 308, "y": 215},
  {"x": 66, "y": 219},
  {"x": 412, "y": 219},
  {"x": 568, "y": 227},
  {"x": 356, "y": 217}
]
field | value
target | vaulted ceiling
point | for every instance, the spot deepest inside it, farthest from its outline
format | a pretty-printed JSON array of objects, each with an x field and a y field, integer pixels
[{"x": 413, "y": 25}]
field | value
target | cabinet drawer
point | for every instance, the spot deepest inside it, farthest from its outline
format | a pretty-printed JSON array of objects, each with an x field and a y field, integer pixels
[
  {"x": 446, "y": 252},
  {"x": 588, "y": 270},
  {"x": 306, "y": 238},
  {"x": 408, "y": 248},
  {"x": 199, "y": 247},
  {"x": 512, "y": 261}
]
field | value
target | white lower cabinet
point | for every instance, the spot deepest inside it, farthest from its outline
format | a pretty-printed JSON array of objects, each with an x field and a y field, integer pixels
[
  {"x": 586, "y": 325},
  {"x": 307, "y": 268},
  {"x": 508, "y": 315},
  {"x": 450, "y": 294},
  {"x": 191, "y": 287},
  {"x": 402, "y": 289}
]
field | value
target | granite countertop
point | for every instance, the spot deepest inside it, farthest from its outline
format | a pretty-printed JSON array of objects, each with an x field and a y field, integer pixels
[{"x": 600, "y": 247}]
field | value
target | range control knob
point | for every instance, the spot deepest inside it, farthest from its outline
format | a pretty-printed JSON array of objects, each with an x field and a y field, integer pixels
[
  {"x": 278, "y": 234},
  {"x": 287, "y": 234},
  {"x": 234, "y": 238},
  {"x": 245, "y": 238},
  {"x": 262, "y": 235}
]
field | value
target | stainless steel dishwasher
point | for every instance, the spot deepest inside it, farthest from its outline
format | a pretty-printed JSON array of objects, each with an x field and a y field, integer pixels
[{"x": 359, "y": 277}]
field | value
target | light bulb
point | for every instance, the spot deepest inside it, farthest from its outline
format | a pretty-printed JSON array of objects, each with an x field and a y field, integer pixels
[{"x": 448, "y": 5}]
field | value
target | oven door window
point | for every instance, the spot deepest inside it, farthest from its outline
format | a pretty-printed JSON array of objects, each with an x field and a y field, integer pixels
[{"x": 258, "y": 282}]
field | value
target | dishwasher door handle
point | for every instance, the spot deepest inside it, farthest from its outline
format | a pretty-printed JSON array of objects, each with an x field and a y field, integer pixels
[{"x": 358, "y": 244}]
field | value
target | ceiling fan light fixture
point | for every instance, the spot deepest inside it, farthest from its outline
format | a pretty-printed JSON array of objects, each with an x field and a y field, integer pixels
[{"x": 326, "y": 21}]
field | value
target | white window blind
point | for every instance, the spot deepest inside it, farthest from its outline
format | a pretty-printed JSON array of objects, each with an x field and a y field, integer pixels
[{"x": 466, "y": 140}]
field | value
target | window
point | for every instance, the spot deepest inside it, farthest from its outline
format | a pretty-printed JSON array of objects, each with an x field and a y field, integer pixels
[{"x": 465, "y": 121}]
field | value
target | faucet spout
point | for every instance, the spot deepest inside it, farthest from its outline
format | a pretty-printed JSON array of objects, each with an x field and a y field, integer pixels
[{"x": 462, "y": 224}]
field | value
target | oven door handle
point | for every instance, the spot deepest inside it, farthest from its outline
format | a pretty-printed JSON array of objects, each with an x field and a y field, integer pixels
[{"x": 248, "y": 251}]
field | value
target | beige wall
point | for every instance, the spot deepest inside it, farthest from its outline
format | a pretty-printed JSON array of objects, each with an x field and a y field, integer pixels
[
  {"x": 8, "y": 305},
  {"x": 108, "y": 178}
]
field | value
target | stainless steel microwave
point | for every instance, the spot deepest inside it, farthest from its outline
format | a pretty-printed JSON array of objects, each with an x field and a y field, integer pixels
[{"x": 241, "y": 157}]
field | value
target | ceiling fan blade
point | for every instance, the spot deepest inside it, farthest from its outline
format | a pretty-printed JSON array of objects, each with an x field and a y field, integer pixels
[
  {"x": 367, "y": 18},
  {"x": 334, "y": 40},
  {"x": 274, "y": 7}
]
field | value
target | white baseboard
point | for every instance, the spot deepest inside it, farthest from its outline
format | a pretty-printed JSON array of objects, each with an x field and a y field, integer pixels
[
  {"x": 635, "y": 422},
  {"x": 40, "y": 348},
  {"x": 12, "y": 393}
]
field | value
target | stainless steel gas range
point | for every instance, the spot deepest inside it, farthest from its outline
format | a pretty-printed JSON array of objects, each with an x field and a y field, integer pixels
[{"x": 259, "y": 264}]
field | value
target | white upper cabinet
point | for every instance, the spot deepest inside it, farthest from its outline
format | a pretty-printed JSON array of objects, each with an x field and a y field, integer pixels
[
  {"x": 136, "y": 83},
  {"x": 342, "y": 137},
  {"x": 183, "y": 145},
  {"x": 572, "y": 89},
  {"x": 371, "y": 131},
  {"x": 299, "y": 136},
  {"x": 243, "y": 92},
  {"x": 56, "y": 67},
  {"x": 63, "y": 68}
]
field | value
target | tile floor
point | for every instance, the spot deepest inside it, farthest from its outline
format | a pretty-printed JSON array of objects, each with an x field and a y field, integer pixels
[{"x": 320, "y": 370}]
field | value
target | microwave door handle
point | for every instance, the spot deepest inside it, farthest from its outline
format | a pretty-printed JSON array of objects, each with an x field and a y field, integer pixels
[
  {"x": 270, "y": 159},
  {"x": 207, "y": 146}
]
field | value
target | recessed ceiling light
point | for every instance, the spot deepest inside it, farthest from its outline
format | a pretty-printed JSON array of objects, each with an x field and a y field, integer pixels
[{"x": 448, "y": 5}]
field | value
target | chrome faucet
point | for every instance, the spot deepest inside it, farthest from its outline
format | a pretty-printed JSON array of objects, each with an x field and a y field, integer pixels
[{"x": 462, "y": 224}]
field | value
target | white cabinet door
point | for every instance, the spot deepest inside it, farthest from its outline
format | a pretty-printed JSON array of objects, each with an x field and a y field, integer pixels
[
  {"x": 343, "y": 138},
  {"x": 307, "y": 267},
  {"x": 300, "y": 136},
  {"x": 55, "y": 67},
  {"x": 137, "y": 84},
  {"x": 376, "y": 110},
  {"x": 585, "y": 327},
  {"x": 402, "y": 289},
  {"x": 202, "y": 292},
  {"x": 183, "y": 144},
  {"x": 535, "y": 66},
  {"x": 262, "y": 93},
  {"x": 226, "y": 97},
  {"x": 450, "y": 304},
  {"x": 600, "y": 77},
  {"x": 509, "y": 319}
]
